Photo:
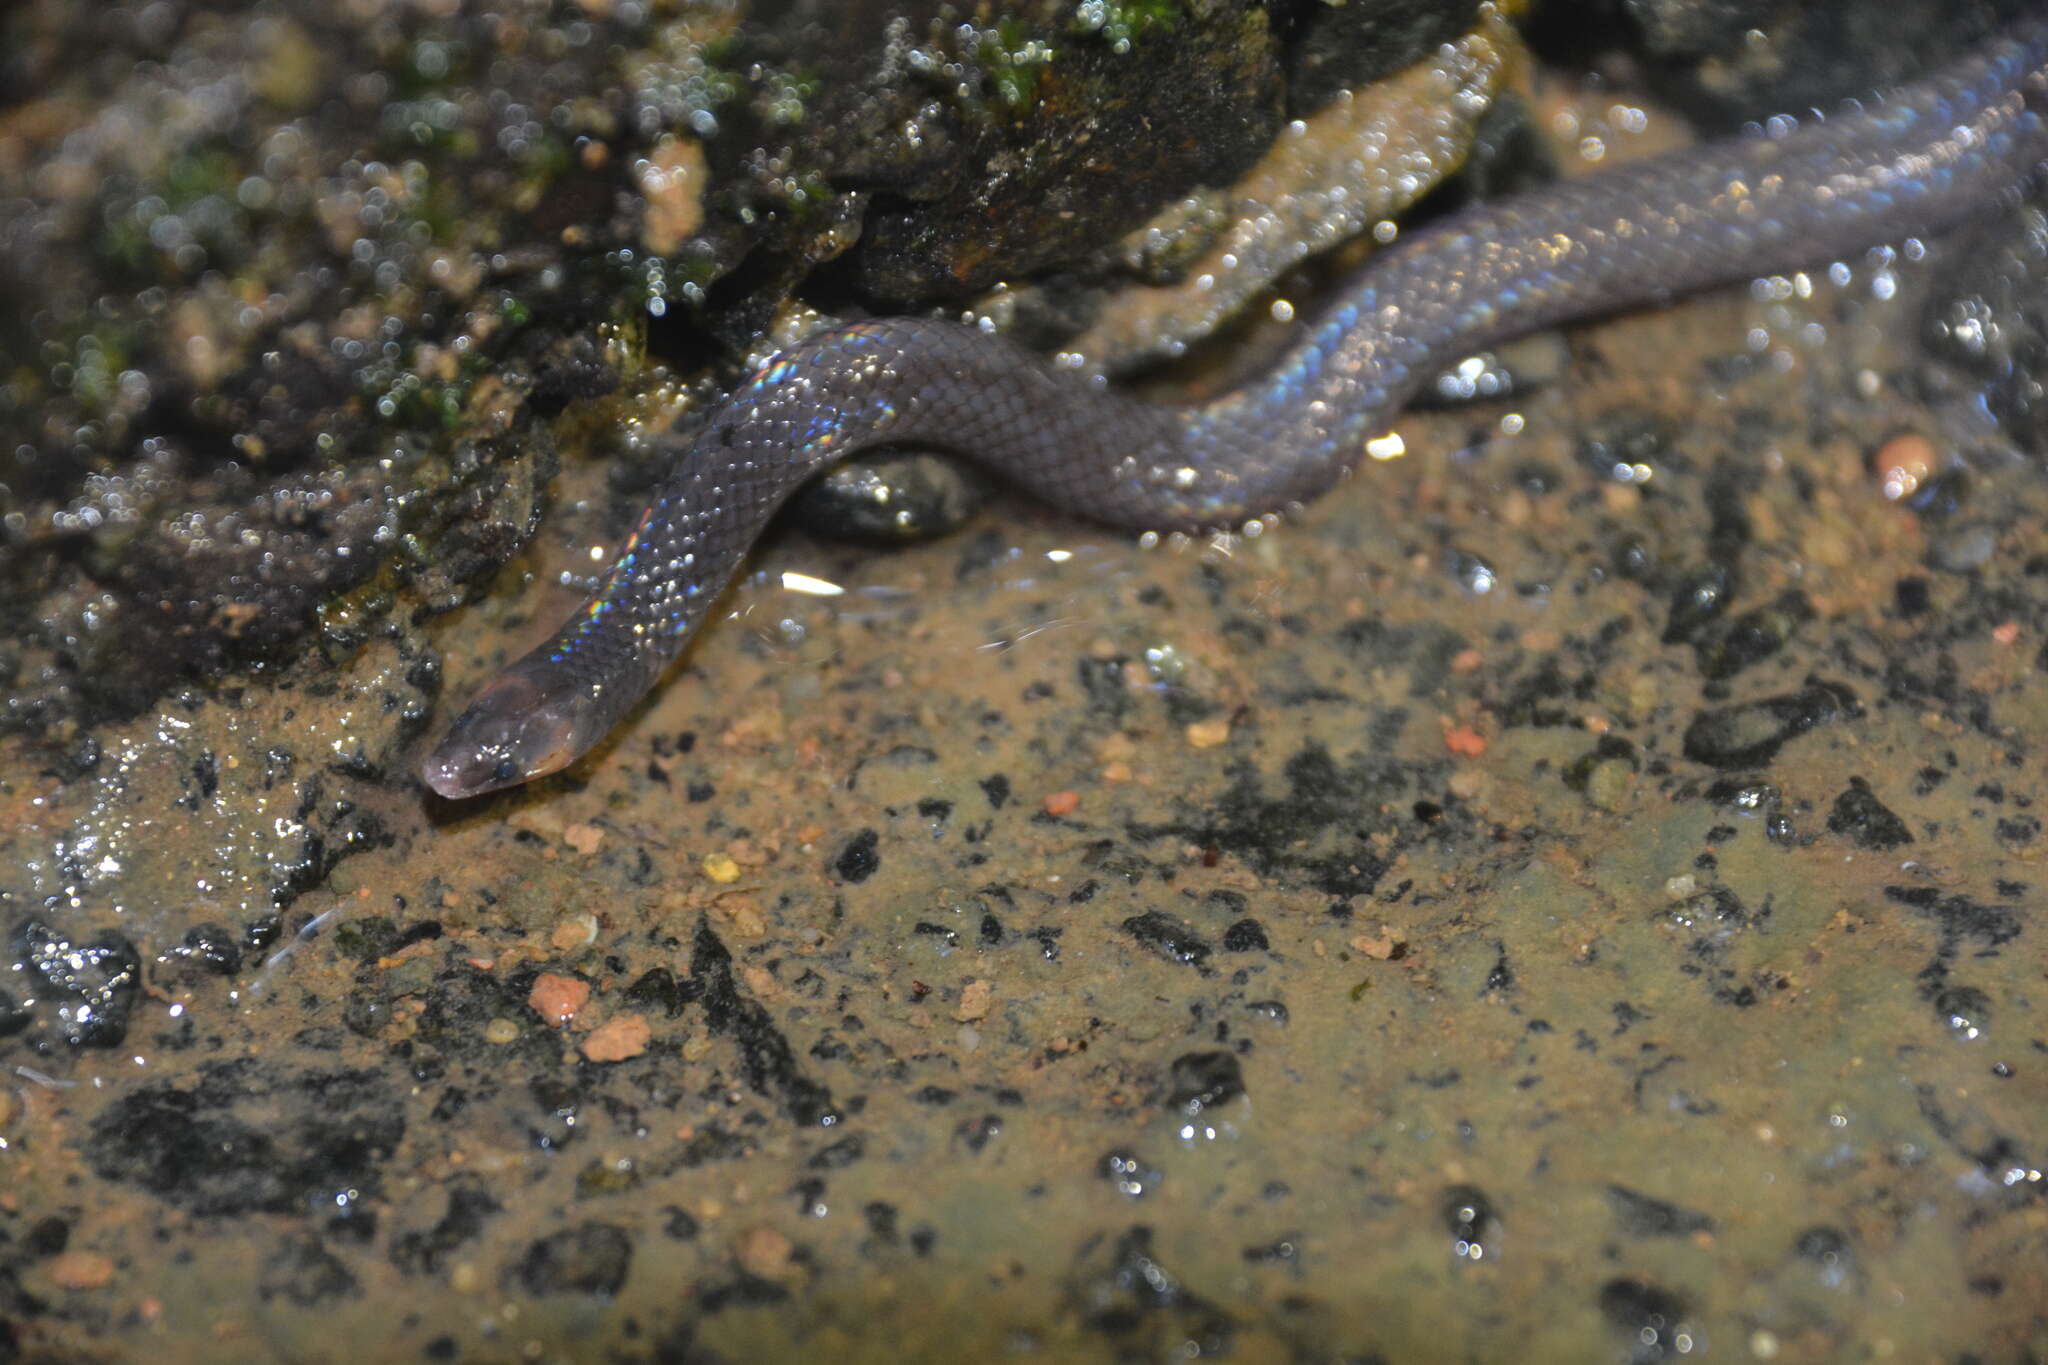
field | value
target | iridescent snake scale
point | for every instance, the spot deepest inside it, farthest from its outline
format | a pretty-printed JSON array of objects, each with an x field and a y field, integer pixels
[{"x": 1918, "y": 161}]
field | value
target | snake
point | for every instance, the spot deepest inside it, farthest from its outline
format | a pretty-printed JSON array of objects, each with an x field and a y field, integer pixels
[{"x": 1918, "y": 160}]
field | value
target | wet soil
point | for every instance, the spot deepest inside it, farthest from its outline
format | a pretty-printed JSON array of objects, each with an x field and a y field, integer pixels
[{"x": 1571, "y": 893}]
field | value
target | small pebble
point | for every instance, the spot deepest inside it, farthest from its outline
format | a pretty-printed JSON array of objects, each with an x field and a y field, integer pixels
[
  {"x": 1903, "y": 463},
  {"x": 558, "y": 999},
  {"x": 1608, "y": 785},
  {"x": 573, "y": 933},
  {"x": 974, "y": 1001},
  {"x": 1464, "y": 741},
  {"x": 764, "y": 1253},
  {"x": 617, "y": 1038},
  {"x": 1969, "y": 547},
  {"x": 1207, "y": 734},
  {"x": 81, "y": 1270},
  {"x": 1466, "y": 783},
  {"x": 1383, "y": 949},
  {"x": 500, "y": 1031},
  {"x": 721, "y": 868},
  {"x": 1062, "y": 803}
]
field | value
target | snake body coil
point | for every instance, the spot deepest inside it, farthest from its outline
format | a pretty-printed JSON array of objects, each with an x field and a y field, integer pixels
[{"x": 1920, "y": 161}]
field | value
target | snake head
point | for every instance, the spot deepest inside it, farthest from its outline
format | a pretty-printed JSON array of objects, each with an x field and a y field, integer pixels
[{"x": 518, "y": 728}]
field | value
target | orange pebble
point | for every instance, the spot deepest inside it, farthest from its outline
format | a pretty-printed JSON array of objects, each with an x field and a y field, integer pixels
[
  {"x": 557, "y": 998},
  {"x": 1062, "y": 803},
  {"x": 1464, "y": 741},
  {"x": 618, "y": 1038},
  {"x": 1903, "y": 463}
]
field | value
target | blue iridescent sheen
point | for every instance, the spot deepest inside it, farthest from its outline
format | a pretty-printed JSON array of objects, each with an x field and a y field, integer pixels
[{"x": 1920, "y": 160}]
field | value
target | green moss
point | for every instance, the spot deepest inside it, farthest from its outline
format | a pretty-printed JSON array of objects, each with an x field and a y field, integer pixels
[
  {"x": 1012, "y": 62},
  {"x": 785, "y": 96},
  {"x": 1123, "y": 22}
]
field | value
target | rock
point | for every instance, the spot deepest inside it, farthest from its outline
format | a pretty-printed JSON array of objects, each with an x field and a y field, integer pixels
[
  {"x": 1867, "y": 821},
  {"x": 1203, "y": 1081},
  {"x": 1706, "y": 59},
  {"x": 592, "y": 1258},
  {"x": 1749, "y": 734},
  {"x": 92, "y": 984}
]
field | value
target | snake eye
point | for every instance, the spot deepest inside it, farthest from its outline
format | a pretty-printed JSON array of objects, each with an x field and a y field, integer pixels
[{"x": 505, "y": 771}]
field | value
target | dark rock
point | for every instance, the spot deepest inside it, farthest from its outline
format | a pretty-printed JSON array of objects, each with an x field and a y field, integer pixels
[
  {"x": 1750, "y": 797},
  {"x": 1705, "y": 60},
  {"x": 1749, "y": 734},
  {"x": 1133, "y": 1176},
  {"x": 1988, "y": 315},
  {"x": 1964, "y": 1009},
  {"x": 1102, "y": 683},
  {"x": 426, "y": 1251},
  {"x": 767, "y": 1061},
  {"x": 1701, "y": 595},
  {"x": 1510, "y": 155},
  {"x": 1821, "y": 1244},
  {"x": 573, "y": 369},
  {"x": 1130, "y": 1289},
  {"x": 592, "y": 1258},
  {"x": 454, "y": 1011},
  {"x": 1245, "y": 936},
  {"x": 1331, "y": 48},
  {"x": 249, "y": 1138},
  {"x": 1642, "y": 1216},
  {"x": 892, "y": 496},
  {"x": 1200, "y": 90},
  {"x": 657, "y": 989},
  {"x": 92, "y": 985},
  {"x": 14, "y": 1016},
  {"x": 977, "y": 1132},
  {"x": 1471, "y": 571},
  {"x": 1469, "y": 1216},
  {"x": 1728, "y": 647},
  {"x": 838, "y": 1155},
  {"x": 1285, "y": 1252},
  {"x": 1829, "y": 1255},
  {"x": 1614, "y": 448},
  {"x": 304, "y": 1272},
  {"x": 46, "y": 1237},
  {"x": 1310, "y": 831},
  {"x": 2018, "y": 830},
  {"x": 1204, "y": 1080},
  {"x": 209, "y": 949},
  {"x": 1911, "y": 597},
  {"x": 1866, "y": 820},
  {"x": 1645, "y": 1315},
  {"x": 859, "y": 859},
  {"x": 1959, "y": 917},
  {"x": 1173, "y": 939}
]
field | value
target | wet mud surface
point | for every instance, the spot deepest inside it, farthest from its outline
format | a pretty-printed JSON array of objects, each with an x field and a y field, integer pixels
[{"x": 1572, "y": 893}]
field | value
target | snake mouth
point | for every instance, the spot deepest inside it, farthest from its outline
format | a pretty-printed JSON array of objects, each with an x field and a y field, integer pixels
[{"x": 513, "y": 732}]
